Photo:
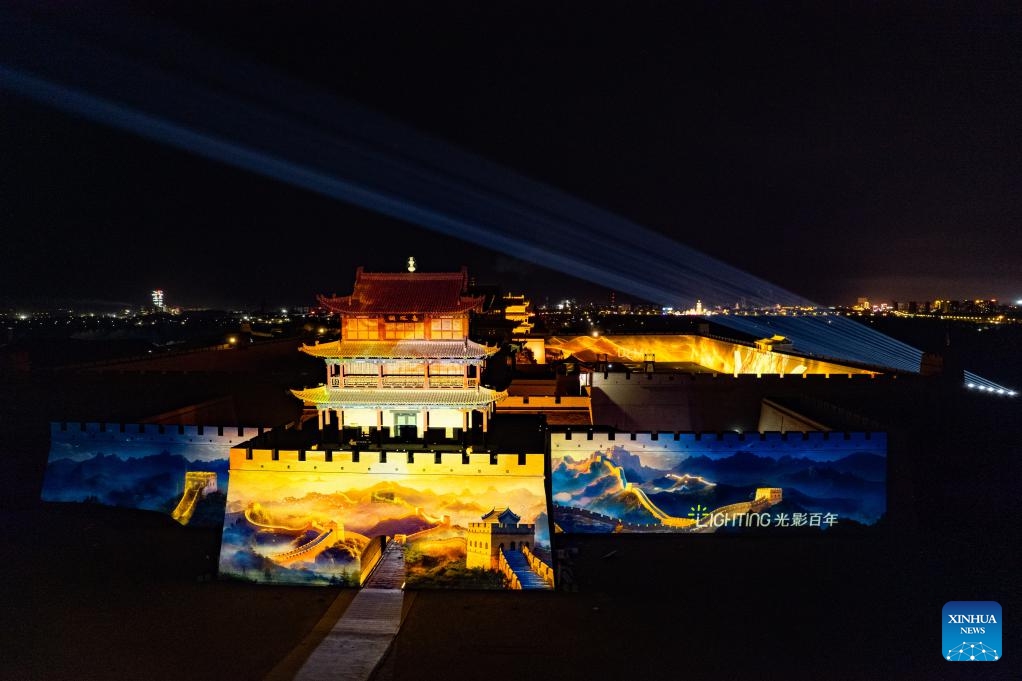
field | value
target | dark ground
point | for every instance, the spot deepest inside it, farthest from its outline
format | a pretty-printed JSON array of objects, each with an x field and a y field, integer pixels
[{"x": 99, "y": 593}]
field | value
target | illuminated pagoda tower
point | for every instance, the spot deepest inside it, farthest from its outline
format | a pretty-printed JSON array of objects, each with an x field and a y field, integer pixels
[
  {"x": 404, "y": 359},
  {"x": 516, "y": 309}
]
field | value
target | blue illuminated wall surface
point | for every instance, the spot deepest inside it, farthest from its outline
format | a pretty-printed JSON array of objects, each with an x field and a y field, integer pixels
[
  {"x": 717, "y": 483},
  {"x": 143, "y": 466}
]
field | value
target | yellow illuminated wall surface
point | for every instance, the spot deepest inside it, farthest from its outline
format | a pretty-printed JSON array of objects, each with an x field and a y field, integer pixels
[
  {"x": 709, "y": 353},
  {"x": 328, "y": 528}
]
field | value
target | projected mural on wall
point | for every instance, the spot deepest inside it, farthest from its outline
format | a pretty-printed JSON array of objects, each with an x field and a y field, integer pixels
[
  {"x": 419, "y": 523},
  {"x": 717, "y": 483},
  {"x": 181, "y": 471},
  {"x": 703, "y": 353}
]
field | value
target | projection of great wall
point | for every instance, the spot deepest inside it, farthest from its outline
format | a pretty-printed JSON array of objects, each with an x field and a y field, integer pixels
[
  {"x": 420, "y": 518},
  {"x": 692, "y": 482},
  {"x": 320, "y": 517}
]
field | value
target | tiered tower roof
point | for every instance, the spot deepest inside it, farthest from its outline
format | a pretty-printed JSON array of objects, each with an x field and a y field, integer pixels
[{"x": 379, "y": 293}]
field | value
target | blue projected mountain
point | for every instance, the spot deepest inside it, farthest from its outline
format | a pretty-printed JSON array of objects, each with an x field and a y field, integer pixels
[
  {"x": 146, "y": 482},
  {"x": 607, "y": 483}
]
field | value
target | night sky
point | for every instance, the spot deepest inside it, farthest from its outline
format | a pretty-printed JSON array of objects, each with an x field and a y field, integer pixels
[{"x": 836, "y": 153}]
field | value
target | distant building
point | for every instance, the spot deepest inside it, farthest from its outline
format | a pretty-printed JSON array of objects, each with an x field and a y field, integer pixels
[
  {"x": 517, "y": 309},
  {"x": 158, "y": 300}
]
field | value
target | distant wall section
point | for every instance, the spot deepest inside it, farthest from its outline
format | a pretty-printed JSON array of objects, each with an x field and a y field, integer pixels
[
  {"x": 143, "y": 466},
  {"x": 708, "y": 482}
]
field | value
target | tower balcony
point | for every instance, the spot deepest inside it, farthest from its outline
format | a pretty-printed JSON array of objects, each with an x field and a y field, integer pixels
[{"x": 402, "y": 381}]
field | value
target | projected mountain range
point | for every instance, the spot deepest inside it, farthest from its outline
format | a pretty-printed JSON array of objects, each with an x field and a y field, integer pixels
[
  {"x": 153, "y": 482},
  {"x": 318, "y": 528},
  {"x": 619, "y": 484}
]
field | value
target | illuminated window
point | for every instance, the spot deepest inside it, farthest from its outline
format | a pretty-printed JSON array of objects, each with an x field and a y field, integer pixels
[
  {"x": 444, "y": 369},
  {"x": 360, "y": 369},
  {"x": 361, "y": 329},
  {"x": 403, "y": 369},
  {"x": 447, "y": 327},
  {"x": 401, "y": 330}
]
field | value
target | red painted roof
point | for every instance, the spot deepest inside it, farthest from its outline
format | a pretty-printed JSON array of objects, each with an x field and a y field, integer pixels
[{"x": 406, "y": 292}]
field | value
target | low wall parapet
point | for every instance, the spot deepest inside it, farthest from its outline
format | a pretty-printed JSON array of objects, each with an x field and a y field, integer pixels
[
  {"x": 567, "y": 439},
  {"x": 151, "y": 432}
]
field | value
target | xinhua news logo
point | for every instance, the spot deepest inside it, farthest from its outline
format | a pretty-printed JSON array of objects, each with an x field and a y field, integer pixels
[{"x": 971, "y": 631}]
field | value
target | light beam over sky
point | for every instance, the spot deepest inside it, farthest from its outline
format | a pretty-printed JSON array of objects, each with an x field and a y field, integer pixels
[{"x": 247, "y": 116}]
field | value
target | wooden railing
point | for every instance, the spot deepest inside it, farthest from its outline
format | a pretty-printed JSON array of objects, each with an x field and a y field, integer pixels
[{"x": 404, "y": 381}]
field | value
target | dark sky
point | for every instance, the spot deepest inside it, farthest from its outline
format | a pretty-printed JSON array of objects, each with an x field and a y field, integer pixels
[{"x": 837, "y": 153}]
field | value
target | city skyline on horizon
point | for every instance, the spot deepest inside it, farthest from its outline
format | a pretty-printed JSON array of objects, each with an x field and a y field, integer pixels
[{"x": 582, "y": 297}]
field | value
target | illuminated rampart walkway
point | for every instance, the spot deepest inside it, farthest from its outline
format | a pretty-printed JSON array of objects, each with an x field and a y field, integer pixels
[
  {"x": 525, "y": 576},
  {"x": 645, "y": 501},
  {"x": 197, "y": 484}
]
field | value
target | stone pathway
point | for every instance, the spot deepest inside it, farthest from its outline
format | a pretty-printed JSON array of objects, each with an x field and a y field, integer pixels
[{"x": 357, "y": 643}]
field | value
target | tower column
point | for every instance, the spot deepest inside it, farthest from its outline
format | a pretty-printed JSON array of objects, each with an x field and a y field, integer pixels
[
  {"x": 486, "y": 420},
  {"x": 319, "y": 418}
]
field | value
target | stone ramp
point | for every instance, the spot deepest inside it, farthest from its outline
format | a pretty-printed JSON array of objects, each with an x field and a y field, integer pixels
[{"x": 359, "y": 640}]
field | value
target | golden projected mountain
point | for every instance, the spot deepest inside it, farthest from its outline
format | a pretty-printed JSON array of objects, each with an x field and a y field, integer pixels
[{"x": 360, "y": 507}]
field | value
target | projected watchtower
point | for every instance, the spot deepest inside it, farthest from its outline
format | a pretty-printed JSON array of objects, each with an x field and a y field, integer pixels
[
  {"x": 404, "y": 358},
  {"x": 496, "y": 531}
]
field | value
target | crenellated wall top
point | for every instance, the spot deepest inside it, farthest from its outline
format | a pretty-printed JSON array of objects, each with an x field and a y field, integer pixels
[
  {"x": 567, "y": 438},
  {"x": 151, "y": 432},
  {"x": 391, "y": 462}
]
